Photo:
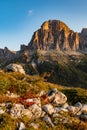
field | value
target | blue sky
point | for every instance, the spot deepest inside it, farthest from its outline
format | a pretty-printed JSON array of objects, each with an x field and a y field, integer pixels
[{"x": 20, "y": 18}]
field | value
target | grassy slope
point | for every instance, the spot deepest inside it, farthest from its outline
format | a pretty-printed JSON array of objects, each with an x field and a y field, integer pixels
[
  {"x": 56, "y": 67},
  {"x": 68, "y": 70},
  {"x": 19, "y": 83}
]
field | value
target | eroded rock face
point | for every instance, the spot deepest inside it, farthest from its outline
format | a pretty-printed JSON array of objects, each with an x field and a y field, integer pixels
[
  {"x": 83, "y": 39},
  {"x": 54, "y": 34},
  {"x": 7, "y": 54}
]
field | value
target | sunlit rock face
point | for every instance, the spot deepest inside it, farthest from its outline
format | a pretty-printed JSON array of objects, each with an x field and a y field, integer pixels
[{"x": 54, "y": 34}]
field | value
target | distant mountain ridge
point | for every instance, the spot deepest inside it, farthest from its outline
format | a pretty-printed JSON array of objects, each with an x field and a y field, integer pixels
[
  {"x": 6, "y": 53},
  {"x": 53, "y": 35},
  {"x": 56, "y": 35}
]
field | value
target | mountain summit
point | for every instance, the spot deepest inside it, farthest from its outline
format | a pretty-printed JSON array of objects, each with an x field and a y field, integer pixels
[{"x": 54, "y": 34}]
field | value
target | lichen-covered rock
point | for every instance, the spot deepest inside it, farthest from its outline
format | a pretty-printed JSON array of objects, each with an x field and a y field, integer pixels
[
  {"x": 17, "y": 110},
  {"x": 66, "y": 121},
  {"x": 65, "y": 105},
  {"x": 36, "y": 110},
  {"x": 20, "y": 126},
  {"x": 78, "y": 104},
  {"x": 48, "y": 108},
  {"x": 1, "y": 111},
  {"x": 28, "y": 114},
  {"x": 15, "y": 68},
  {"x": 48, "y": 121},
  {"x": 56, "y": 97},
  {"x": 61, "y": 110},
  {"x": 43, "y": 113},
  {"x": 84, "y": 108},
  {"x": 73, "y": 110},
  {"x": 35, "y": 125},
  {"x": 35, "y": 100}
]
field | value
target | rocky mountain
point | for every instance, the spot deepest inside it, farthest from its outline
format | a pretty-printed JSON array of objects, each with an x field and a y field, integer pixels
[
  {"x": 54, "y": 34},
  {"x": 7, "y": 54},
  {"x": 83, "y": 39},
  {"x": 33, "y": 96},
  {"x": 55, "y": 52}
]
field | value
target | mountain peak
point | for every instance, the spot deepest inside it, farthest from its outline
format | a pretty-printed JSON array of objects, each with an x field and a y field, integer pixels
[{"x": 54, "y": 34}]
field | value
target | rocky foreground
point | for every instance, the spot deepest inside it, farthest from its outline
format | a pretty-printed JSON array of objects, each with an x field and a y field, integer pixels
[{"x": 50, "y": 107}]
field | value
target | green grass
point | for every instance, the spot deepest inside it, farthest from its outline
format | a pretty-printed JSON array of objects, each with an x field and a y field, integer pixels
[
  {"x": 7, "y": 122},
  {"x": 20, "y": 84}
]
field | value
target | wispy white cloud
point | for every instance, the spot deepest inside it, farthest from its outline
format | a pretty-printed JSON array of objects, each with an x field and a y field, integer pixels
[{"x": 30, "y": 12}]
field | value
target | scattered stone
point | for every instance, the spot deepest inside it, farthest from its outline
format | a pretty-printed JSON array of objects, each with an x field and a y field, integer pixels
[
  {"x": 78, "y": 104},
  {"x": 84, "y": 108},
  {"x": 53, "y": 91},
  {"x": 35, "y": 125},
  {"x": 28, "y": 113},
  {"x": 1, "y": 111},
  {"x": 66, "y": 121},
  {"x": 48, "y": 108},
  {"x": 15, "y": 68},
  {"x": 56, "y": 115},
  {"x": 56, "y": 97},
  {"x": 17, "y": 110},
  {"x": 60, "y": 110},
  {"x": 78, "y": 113},
  {"x": 56, "y": 110},
  {"x": 36, "y": 110},
  {"x": 47, "y": 119},
  {"x": 2, "y": 104},
  {"x": 59, "y": 99},
  {"x": 64, "y": 110},
  {"x": 35, "y": 100},
  {"x": 20, "y": 126},
  {"x": 43, "y": 113},
  {"x": 73, "y": 110},
  {"x": 65, "y": 105}
]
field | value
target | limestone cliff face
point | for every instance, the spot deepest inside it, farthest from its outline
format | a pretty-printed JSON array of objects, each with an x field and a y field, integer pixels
[
  {"x": 83, "y": 39},
  {"x": 54, "y": 34},
  {"x": 6, "y": 54}
]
